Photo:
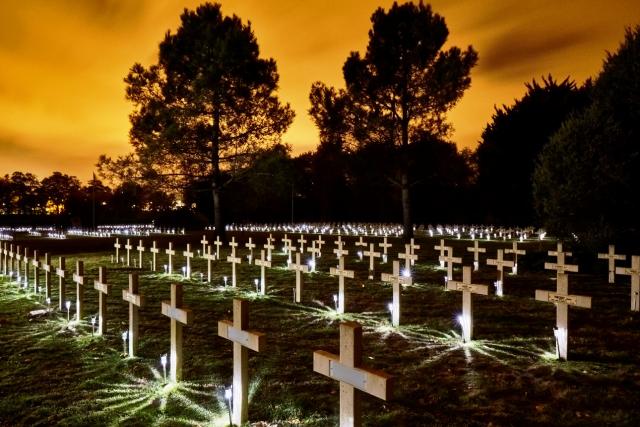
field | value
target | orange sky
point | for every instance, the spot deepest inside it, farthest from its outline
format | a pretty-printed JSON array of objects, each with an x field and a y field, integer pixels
[{"x": 62, "y": 62}]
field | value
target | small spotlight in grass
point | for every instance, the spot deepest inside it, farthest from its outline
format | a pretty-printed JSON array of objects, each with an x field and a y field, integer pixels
[
  {"x": 335, "y": 301},
  {"x": 184, "y": 271},
  {"x": 68, "y": 305},
  {"x": 163, "y": 362},
  {"x": 360, "y": 255},
  {"x": 224, "y": 278},
  {"x": 312, "y": 266},
  {"x": 228, "y": 396},
  {"x": 257, "y": 283},
  {"x": 406, "y": 272},
  {"x": 384, "y": 258},
  {"x": 48, "y": 300},
  {"x": 166, "y": 268},
  {"x": 125, "y": 335},
  {"x": 93, "y": 325},
  {"x": 498, "y": 285},
  {"x": 465, "y": 323}
]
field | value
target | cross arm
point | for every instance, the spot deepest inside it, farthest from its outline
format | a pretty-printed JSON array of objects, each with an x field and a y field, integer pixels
[
  {"x": 250, "y": 339},
  {"x": 573, "y": 300},
  {"x": 133, "y": 298},
  {"x": 182, "y": 315}
]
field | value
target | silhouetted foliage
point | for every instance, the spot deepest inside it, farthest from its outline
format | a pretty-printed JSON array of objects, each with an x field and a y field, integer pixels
[{"x": 512, "y": 142}]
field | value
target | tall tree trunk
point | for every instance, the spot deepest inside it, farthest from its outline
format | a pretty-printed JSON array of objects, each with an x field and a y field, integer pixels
[
  {"x": 216, "y": 185},
  {"x": 404, "y": 176}
]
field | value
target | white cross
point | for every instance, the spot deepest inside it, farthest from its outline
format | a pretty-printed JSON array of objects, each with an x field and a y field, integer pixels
[
  {"x": 500, "y": 263},
  {"x": 48, "y": 268},
  {"x": 209, "y": 257},
  {"x": 634, "y": 272},
  {"x": 396, "y": 280},
  {"x": 467, "y": 288},
  {"x": 154, "y": 251},
  {"x": 476, "y": 254},
  {"x": 262, "y": 262},
  {"x": 78, "y": 278},
  {"x": 408, "y": 257},
  {"x": 188, "y": 255},
  {"x": 233, "y": 259},
  {"x": 339, "y": 251},
  {"x": 117, "y": 246},
  {"x": 140, "y": 249},
  {"x": 61, "y": 273},
  {"x": 515, "y": 251},
  {"x": 250, "y": 246},
  {"x": 128, "y": 247},
  {"x": 371, "y": 253},
  {"x": 170, "y": 252},
  {"x": 218, "y": 243},
  {"x": 179, "y": 316},
  {"x": 299, "y": 268},
  {"x": 269, "y": 247},
  {"x": 302, "y": 241},
  {"x": 103, "y": 290},
  {"x": 135, "y": 301},
  {"x": 35, "y": 262},
  {"x": 314, "y": 252},
  {"x": 341, "y": 273},
  {"x": 204, "y": 242},
  {"x": 611, "y": 256},
  {"x": 442, "y": 248}
]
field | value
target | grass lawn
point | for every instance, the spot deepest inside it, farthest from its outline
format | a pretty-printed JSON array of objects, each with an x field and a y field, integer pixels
[{"x": 57, "y": 372}]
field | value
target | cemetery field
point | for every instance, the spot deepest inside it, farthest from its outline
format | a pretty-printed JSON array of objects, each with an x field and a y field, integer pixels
[{"x": 58, "y": 372}]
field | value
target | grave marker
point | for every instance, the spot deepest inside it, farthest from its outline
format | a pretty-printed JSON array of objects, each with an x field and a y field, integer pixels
[
  {"x": 449, "y": 259},
  {"x": 233, "y": 259},
  {"x": 467, "y": 288},
  {"x": 611, "y": 256},
  {"x": 477, "y": 250},
  {"x": 269, "y": 247},
  {"x": 299, "y": 268},
  {"x": 500, "y": 263},
  {"x": 140, "y": 249},
  {"x": 209, "y": 257},
  {"x": 320, "y": 243},
  {"x": 204, "y": 242},
  {"x": 170, "y": 252},
  {"x": 371, "y": 253},
  {"x": 408, "y": 258},
  {"x": 341, "y": 273},
  {"x": 154, "y": 252},
  {"x": 263, "y": 263},
  {"x": 250, "y": 246},
  {"x": 47, "y": 267},
  {"x": 442, "y": 248},
  {"x": 413, "y": 247},
  {"x": 35, "y": 262},
  {"x": 560, "y": 265},
  {"x": 339, "y": 251},
  {"x": 135, "y": 300},
  {"x": 103, "y": 288},
  {"x": 396, "y": 280},
  {"x": 515, "y": 251},
  {"x": 128, "y": 247},
  {"x": 353, "y": 377},
  {"x": 314, "y": 252},
  {"x": 218, "y": 243},
  {"x": 634, "y": 272},
  {"x": 62, "y": 289},
  {"x": 243, "y": 339},
  {"x": 117, "y": 246},
  {"x": 188, "y": 255},
  {"x": 302, "y": 241},
  {"x": 78, "y": 278},
  {"x": 384, "y": 245},
  {"x": 179, "y": 316}
]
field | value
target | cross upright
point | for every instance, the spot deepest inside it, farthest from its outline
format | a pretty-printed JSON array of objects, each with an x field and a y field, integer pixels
[
  {"x": 477, "y": 250},
  {"x": 5, "y": 254},
  {"x": 299, "y": 268},
  {"x": 562, "y": 300},
  {"x": 25, "y": 264},
  {"x": 269, "y": 247},
  {"x": 371, "y": 253},
  {"x": 250, "y": 246},
  {"x": 233, "y": 259},
  {"x": 170, "y": 252},
  {"x": 243, "y": 339},
  {"x": 18, "y": 257},
  {"x": 179, "y": 316},
  {"x": 341, "y": 273},
  {"x": 442, "y": 248},
  {"x": 140, "y": 249},
  {"x": 384, "y": 245},
  {"x": 408, "y": 257},
  {"x": 11, "y": 258},
  {"x": 209, "y": 257},
  {"x": 634, "y": 272},
  {"x": 396, "y": 279},
  {"x": 353, "y": 377},
  {"x": 339, "y": 251},
  {"x": 204, "y": 242},
  {"x": 103, "y": 288},
  {"x": 128, "y": 247},
  {"x": 35, "y": 262},
  {"x": 467, "y": 288},
  {"x": 135, "y": 300},
  {"x": 78, "y": 278},
  {"x": 560, "y": 265},
  {"x": 154, "y": 252},
  {"x": 117, "y": 245},
  {"x": 62, "y": 288},
  {"x": 47, "y": 267},
  {"x": 188, "y": 254},
  {"x": 515, "y": 251},
  {"x": 500, "y": 263},
  {"x": 302, "y": 241},
  {"x": 315, "y": 252},
  {"x": 218, "y": 243},
  {"x": 611, "y": 256},
  {"x": 262, "y": 262}
]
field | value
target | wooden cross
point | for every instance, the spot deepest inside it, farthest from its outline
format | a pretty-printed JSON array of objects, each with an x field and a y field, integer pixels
[
  {"x": 384, "y": 245},
  {"x": 314, "y": 252},
  {"x": 135, "y": 301},
  {"x": 500, "y": 263},
  {"x": 218, "y": 243},
  {"x": 250, "y": 246},
  {"x": 299, "y": 269},
  {"x": 154, "y": 251},
  {"x": 62, "y": 288},
  {"x": 353, "y": 377},
  {"x": 562, "y": 300},
  {"x": 560, "y": 265},
  {"x": 449, "y": 259},
  {"x": 128, "y": 247},
  {"x": 361, "y": 242},
  {"x": 117, "y": 246},
  {"x": 634, "y": 272},
  {"x": 287, "y": 244},
  {"x": 179, "y": 316},
  {"x": 140, "y": 249},
  {"x": 611, "y": 256},
  {"x": 47, "y": 267},
  {"x": 413, "y": 247},
  {"x": 25, "y": 264},
  {"x": 209, "y": 257},
  {"x": 170, "y": 252},
  {"x": 262, "y": 262},
  {"x": 371, "y": 253},
  {"x": 442, "y": 248},
  {"x": 559, "y": 251},
  {"x": 103, "y": 290},
  {"x": 11, "y": 258},
  {"x": 467, "y": 288},
  {"x": 302, "y": 241},
  {"x": 341, "y": 273},
  {"x": 18, "y": 257},
  {"x": 78, "y": 278},
  {"x": 476, "y": 254},
  {"x": 339, "y": 251},
  {"x": 35, "y": 262},
  {"x": 408, "y": 257},
  {"x": 515, "y": 251},
  {"x": 204, "y": 242},
  {"x": 320, "y": 243},
  {"x": 188, "y": 255},
  {"x": 233, "y": 259},
  {"x": 243, "y": 339},
  {"x": 269, "y": 247},
  {"x": 396, "y": 279}
]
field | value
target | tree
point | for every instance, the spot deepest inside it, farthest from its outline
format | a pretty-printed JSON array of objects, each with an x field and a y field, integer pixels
[
  {"x": 587, "y": 177},
  {"x": 511, "y": 143},
  {"x": 24, "y": 190},
  {"x": 405, "y": 83},
  {"x": 57, "y": 190},
  {"x": 208, "y": 107}
]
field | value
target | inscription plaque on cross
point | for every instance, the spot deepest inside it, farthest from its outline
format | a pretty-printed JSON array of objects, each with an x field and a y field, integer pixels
[
  {"x": 103, "y": 288},
  {"x": 78, "y": 278},
  {"x": 188, "y": 254},
  {"x": 611, "y": 256},
  {"x": 634, "y": 272},
  {"x": 477, "y": 250},
  {"x": 179, "y": 316},
  {"x": 515, "y": 251},
  {"x": 467, "y": 288},
  {"x": 353, "y": 377},
  {"x": 299, "y": 268},
  {"x": 154, "y": 252},
  {"x": 396, "y": 280},
  {"x": 170, "y": 252},
  {"x": 135, "y": 300},
  {"x": 371, "y": 253},
  {"x": 128, "y": 247},
  {"x": 233, "y": 259},
  {"x": 500, "y": 263},
  {"x": 243, "y": 339},
  {"x": 341, "y": 273},
  {"x": 62, "y": 288},
  {"x": 262, "y": 262},
  {"x": 562, "y": 300}
]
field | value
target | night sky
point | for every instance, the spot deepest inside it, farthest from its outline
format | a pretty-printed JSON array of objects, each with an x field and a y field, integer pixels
[{"x": 62, "y": 62}]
